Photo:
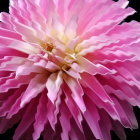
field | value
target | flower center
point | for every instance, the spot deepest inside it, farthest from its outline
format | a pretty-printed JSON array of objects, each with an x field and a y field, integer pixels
[
  {"x": 65, "y": 59},
  {"x": 47, "y": 46}
]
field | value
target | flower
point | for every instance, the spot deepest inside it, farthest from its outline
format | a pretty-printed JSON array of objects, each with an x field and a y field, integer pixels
[{"x": 68, "y": 69}]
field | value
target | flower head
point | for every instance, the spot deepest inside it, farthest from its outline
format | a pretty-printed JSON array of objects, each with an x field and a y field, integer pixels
[{"x": 68, "y": 66}]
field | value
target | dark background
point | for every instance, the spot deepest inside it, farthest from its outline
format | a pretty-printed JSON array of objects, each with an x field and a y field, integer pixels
[{"x": 131, "y": 135}]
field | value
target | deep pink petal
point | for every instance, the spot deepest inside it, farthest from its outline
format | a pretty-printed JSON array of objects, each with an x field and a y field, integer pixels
[{"x": 40, "y": 117}]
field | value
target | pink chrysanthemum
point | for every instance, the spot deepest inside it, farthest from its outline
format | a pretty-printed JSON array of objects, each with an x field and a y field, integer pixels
[{"x": 68, "y": 68}]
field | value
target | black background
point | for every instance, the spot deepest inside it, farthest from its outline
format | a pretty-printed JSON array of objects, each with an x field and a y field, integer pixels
[{"x": 131, "y": 135}]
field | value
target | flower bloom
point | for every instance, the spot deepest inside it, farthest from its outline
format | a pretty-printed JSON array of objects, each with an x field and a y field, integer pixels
[{"x": 68, "y": 69}]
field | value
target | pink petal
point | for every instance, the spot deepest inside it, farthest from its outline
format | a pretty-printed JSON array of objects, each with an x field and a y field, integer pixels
[
  {"x": 77, "y": 92},
  {"x": 93, "y": 122},
  {"x": 36, "y": 86},
  {"x": 53, "y": 110},
  {"x": 40, "y": 117},
  {"x": 75, "y": 133},
  {"x": 8, "y": 123},
  {"x": 71, "y": 28},
  {"x": 14, "y": 44},
  {"x": 91, "y": 68},
  {"x": 15, "y": 82},
  {"x": 26, "y": 121},
  {"x": 65, "y": 123},
  {"x": 96, "y": 87},
  {"x": 6, "y": 20},
  {"x": 53, "y": 85},
  {"x": 105, "y": 125},
  {"x": 4, "y": 109},
  {"x": 74, "y": 110}
]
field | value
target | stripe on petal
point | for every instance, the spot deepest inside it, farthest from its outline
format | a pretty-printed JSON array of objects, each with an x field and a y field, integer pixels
[
  {"x": 77, "y": 92},
  {"x": 53, "y": 85},
  {"x": 36, "y": 85},
  {"x": 91, "y": 68},
  {"x": 18, "y": 45}
]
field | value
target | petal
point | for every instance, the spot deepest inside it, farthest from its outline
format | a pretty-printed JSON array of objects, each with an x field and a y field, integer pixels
[
  {"x": 73, "y": 108},
  {"x": 53, "y": 110},
  {"x": 4, "y": 109},
  {"x": 40, "y": 117},
  {"x": 75, "y": 133},
  {"x": 123, "y": 117},
  {"x": 18, "y": 45},
  {"x": 77, "y": 92},
  {"x": 28, "y": 34},
  {"x": 5, "y": 18},
  {"x": 6, "y": 124},
  {"x": 108, "y": 107},
  {"x": 93, "y": 122},
  {"x": 105, "y": 124},
  {"x": 27, "y": 68},
  {"x": 36, "y": 86},
  {"x": 9, "y": 34},
  {"x": 71, "y": 28},
  {"x": 65, "y": 122},
  {"x": 48, "y": 132},
  {"x": 93, "y": 69},
  {"x": 96, "y": 87},
  {"x": 15, "y": 82},
  {"x": 53, "y": 85},
  {"x": 27, "y": 120}
]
